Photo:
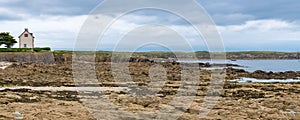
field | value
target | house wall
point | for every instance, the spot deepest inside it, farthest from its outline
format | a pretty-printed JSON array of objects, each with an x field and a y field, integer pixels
[{"x": 26, "y": 40}]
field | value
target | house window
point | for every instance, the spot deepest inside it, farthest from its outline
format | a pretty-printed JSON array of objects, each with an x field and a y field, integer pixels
[
  {"x": 25, "y": 35},
  {"x": 25, "y": 45}
]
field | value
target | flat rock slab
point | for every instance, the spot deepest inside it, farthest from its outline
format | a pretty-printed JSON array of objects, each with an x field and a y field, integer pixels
[{"x": 79, "y": 89}]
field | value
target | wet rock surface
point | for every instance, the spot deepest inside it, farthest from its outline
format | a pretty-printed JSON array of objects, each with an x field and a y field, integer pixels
[
  {"x": 41, "y": 105},
  {"x": 236, "y": 101},
  {"x": 259, "y": 74}
]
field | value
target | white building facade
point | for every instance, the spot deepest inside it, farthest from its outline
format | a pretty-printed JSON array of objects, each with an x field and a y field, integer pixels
[{"x": 26, "y": 39}]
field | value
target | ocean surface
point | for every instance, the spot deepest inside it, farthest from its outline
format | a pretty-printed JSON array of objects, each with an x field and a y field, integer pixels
[
  {"x": 247, "y": 80},
  {"x": 269, "y": 65},
  {"x": 253, "y": 65}
]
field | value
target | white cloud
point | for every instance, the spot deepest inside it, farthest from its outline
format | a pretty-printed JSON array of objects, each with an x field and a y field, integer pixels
[
  {"x": 61, "y": 31},
  {"x": 234, "y": 18},
  {"x": 147, "y": 29},
  {"x": 260, "y": 25},
  {"x": 53, "y": 31},
  {"x": 260, "y": 34}
]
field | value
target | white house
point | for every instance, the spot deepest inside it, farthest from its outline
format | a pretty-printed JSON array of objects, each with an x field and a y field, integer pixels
[{"x": 26, "y": 39}]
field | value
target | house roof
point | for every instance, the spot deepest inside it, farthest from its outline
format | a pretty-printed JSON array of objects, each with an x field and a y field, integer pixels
[{"x": 26, "y": 30}]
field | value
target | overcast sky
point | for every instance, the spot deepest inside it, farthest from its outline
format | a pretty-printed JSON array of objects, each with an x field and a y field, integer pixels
[{"x": 272, "y": 25}]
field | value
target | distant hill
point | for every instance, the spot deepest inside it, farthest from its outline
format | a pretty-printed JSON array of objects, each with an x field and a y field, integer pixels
[{"x": 229, "y": 55}]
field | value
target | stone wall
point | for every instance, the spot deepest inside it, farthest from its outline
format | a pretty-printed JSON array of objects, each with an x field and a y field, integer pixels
[{"x": 27, "y": 57}]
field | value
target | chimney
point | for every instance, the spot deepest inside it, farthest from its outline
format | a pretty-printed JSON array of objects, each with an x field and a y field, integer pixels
[{"x": 26, "y": 29}]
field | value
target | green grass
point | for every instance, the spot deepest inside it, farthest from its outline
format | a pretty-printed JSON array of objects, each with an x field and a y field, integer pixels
[{"x": 25, "y": 49}]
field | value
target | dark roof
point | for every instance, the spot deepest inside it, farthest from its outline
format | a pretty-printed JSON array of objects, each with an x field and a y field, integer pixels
[{"x": 26, "y": 30}]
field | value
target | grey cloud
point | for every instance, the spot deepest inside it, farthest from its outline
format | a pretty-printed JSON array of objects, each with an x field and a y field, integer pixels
[
  {"x": 261, "y": 9},
  {"x": 266, "y": 9},
  {"x": 9, "y": 17},
  {"x": 35, "y": 8}
]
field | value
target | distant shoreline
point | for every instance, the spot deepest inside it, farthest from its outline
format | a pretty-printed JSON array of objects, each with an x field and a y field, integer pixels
[
  {"x": 179, "y": 51},
  {"x": 244, "y": 55},
  {"x": 66, "y": 56}
]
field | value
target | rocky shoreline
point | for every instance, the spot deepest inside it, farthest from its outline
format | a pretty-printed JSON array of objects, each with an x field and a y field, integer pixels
[
  {"x": 60, "y": 74},
  {"x": 237, "y": 100}
]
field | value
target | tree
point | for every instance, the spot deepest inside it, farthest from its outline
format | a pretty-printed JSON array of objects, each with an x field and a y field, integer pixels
[{"x": 7, "y": 40}]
